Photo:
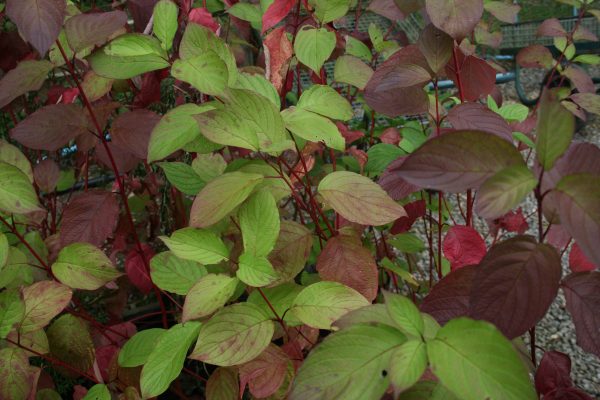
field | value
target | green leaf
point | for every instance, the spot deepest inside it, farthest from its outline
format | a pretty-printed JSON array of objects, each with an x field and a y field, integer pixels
[
  {"x": 405, "y": 314},
  {"x": 521, "y": 137},
  {"x": 17, "y": 195},
  {"x": 234, "y": 335},
  {"x": 17, "y": 271},
  {"x": 359, "y": 199},
  {"x": 504, "y": 191},
  {"x": 352, "y": 70},
  {"x": 137, "y": 349},
  {"x": 355, "y": 47},
  {"x": 256, "y": 271},
  {"x": 351, "y": 365},
  {"x": 280, "y": 297},
  {"x": 592, "y": 59},
  {"x": 247, "y": 12},
  {"x": 326, "y": 101},
  {"x": 407, "y": 243},
  {"x": 84, "y": 266},
  {"x": 555, "y": 128},
  {"x": 277, "y": 184},
  {"x": 12, "y": 310},
  {"x": 322, "y": 303},
  {"x": 206, "y": 72},
  {"x": 128, "y": 56},
  {"x": 183, "y": 177},
  {"x": 313, "y": 127},
  {"x": 210, "y": 293},
  {"x": 175, "y": 274},
  {"x": 314, "y": 46},
  {"x": 27, "y": 76},
  {"x": 291, "y": 251},
  {"x": 221, "y": 196},
  {"x": 98, "y": 392},
  {"x": 209, "y": 166},
  {"x": 258, "y": 84},
  {"x": 380, "y": 156},
  {"x": 70, "y": 341},
  {"x": 464, "y": 347},
  {"x": 4, "y": 250},
  {"x": 197, "y": 245},
  {"x": 259, "y": 222},
  {"x": 47, "y": 394},
  {"x": 198, "y": 39},
  {"x": 246, "y": 120},
  {"x": 16, "y": 376},
  {"x": 43, "y": 300},
  {"x": 166, "y": 360},
  {"x": 514, "y": 112},
  {"x": 408, "y": 363},
  {"x": 330, "y": 10},
  {"x": 165, "y": 22}
]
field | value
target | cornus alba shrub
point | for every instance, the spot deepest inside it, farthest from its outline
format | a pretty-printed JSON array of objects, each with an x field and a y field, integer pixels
[{"x": 184, "y": 215}]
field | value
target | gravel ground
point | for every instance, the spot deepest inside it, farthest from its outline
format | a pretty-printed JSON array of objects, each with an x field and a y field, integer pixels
[{"x": 556, "y": 331}]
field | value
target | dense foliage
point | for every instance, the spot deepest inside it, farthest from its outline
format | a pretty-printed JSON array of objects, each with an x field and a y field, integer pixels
[{"x": 191, "y": 204}]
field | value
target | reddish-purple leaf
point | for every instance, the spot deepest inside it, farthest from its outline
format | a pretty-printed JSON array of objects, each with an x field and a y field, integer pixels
[
  {"x": 345, "y": 260},
  {"x": 503, "y": 11},
  {"x": 386, "y": 8},
  {"x": 558, "y": 237},
  {"x": 349, "y": 136},
  {"x": 463, "y": 246},
  {"x": 94, "y": 29},
  {"x": 436, "y": 47},
  {"x": 449, "y": 298},
  {"x": 266, "y": 373},
  {"x": 515, "y": 284},
  {"x": 396, "y": 87},
  {"x": 578, "y": 262},
  {"x": 535, "y": 56},
  {"x": 278, "y": 52},
  {"x": 514, "y": 221},
  {"x": 571, "y": 393},
  {"x": 477, "y": 77},
  {"x": 131, "y": 131},
  {"x": 580, "y": 79},
  {"x": 582, "y": 292},
  {"x": 141, "y": 12},
  {"x": 553, "y": 373},
  {"x": 551, "y": 27},
  {"x": 455, "y": 17},
  {"x": 276, "y": 12},
  {"x": 51, "y": 127},
  {"x": 13, "y": 49},
  {"x": 46, "y": 175},
  {"x": 39, "y": 21},
  {"x": 202, "y": 16},
  {"x": 578, "y": 204},
  {"x": 136, "y": 270},
  {"x": 392, "y": 182},
  {"x": 458, "y": 160},
  {"x": 414, "y": 210},
  {"x": 582, "y": 33},
  {"x": 124, "y": 160},
  {"x": 89, "y": 217},
  {"x": 475, "y": 116}
]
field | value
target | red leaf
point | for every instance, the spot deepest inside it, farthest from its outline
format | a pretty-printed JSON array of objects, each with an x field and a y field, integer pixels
[
  {"x": 571, "y": 393},
  {"x": 514, "y": 221},
  {"x": 390, "y": 136},
  {"x": 349, "y": 136},
  {"x": 457, "y": 18},
  {"x": 202, "y": 16},
  {"x": 449, "y": 298},
  {"x": 141, "y": 12},
  {"x": 582, "y": 292},
  {"x": 104, "y": 356},
  {"x": 475, "y": 116},
  {"x": 131, "y": 131},
  {"x": 477, "y": 77},
  {"x": 39, "y": 21},
  {"x": 136, "y": 268},
  {"x": 551, "y": 27},
  {"x": 345, "y": 260},
  {"x": 275, "y": 13},
  {"x": 116, "y": 334},
  {"x": 578, "y": 262},
  {"x": 360, "y": 156},
  {"x": 124, "y": 159},
  {"x": 414, "y": 211},
  {"x": 558, "y": 237},
  {"x": 150, "y": 92},
  {"x": 463, "y": 246},
  {"x": 515, "y": 284},
  {"x": 46, "y": 175},
  {"x": 266, "y": 373},
  {"x": 553, "y": 373},
  {"x": 278, "y": 52},
  {"x": 89, "y": 217}
]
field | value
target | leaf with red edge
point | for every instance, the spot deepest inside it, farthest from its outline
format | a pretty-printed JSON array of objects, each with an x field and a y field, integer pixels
[
  {"x": 136, "y": 269},
  {"x": 202, "y": 16},
  {"x": 455, "y": 17},
  {"x": 582, "y": 292},
  {"x": 131, "y": 131},
  {"x": 93, "y": 29},
  {"x": 553, "y": 373},
  {"x": 551, "y": 27},
  {"x": 477, "y": 77},
  {"x": 578, "y": 262},
  {"x": 535, "y": 56},
  {"x": 436, "y": 47},
  {"x": 578, "y": 204},
  {"x": 266, "y": 373},
  {"x": 349, "y": 136},
  {"x": 278, "y": 52},
  {"x": 503, "y": 11},
  {"x": 580, "y": 79},
  {"x": 46, "y": 175},
  {"x": 449, "y": 298},
  {"x": 475, "y": 116},
  {"x": 459, "y": 160},
  {"x": 414, "y": 211},
  {"x": 583, "y": 33},
  {"x": 39, "y": 21},
  {"x": 463, "y": 246},
  {"x": 89, "y": 217},
  {"x": 51, "y": 127},
  {"x": 345, "y": 260},
  {"x": 276, "y": 12},
  {"x": 515, "y": 284}
]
